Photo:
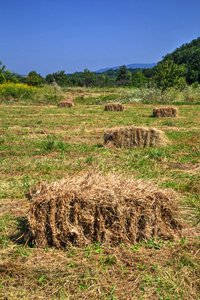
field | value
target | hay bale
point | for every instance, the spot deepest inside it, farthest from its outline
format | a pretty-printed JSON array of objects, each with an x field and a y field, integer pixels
[
  {"x": 66, "y": 103},
  {"x": 81, "y": 210},
  {"x": 133, "y": 137},
  {"x": 168, "y": 111},
  {"x": 114, "y": 107}
]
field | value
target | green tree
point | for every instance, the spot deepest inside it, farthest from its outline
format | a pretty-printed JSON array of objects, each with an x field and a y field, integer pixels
[
  {"x": 138, "y": 79},
  {"x": 6, "y": 75},
  {"x": 168, "y": 74},
  {"x": 76, "y": 80},
  {"x": 59, "y": 77},
  {"x": 123, "y": 76},
  {"x": 89, "y": 78},
  {"x": 34, "y": 79},
  {"x": 2, "y": 77}
]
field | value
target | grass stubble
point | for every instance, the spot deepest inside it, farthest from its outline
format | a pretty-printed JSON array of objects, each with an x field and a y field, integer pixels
[{"x": 44, "y": 143}]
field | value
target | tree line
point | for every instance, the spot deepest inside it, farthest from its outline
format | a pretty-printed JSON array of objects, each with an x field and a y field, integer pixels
[
  {"x": 111, "y": 78},
  {"x": 177, "y": 69}
]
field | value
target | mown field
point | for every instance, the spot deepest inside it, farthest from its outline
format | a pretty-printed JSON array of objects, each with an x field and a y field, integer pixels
[{"x": 45, "y": 143}]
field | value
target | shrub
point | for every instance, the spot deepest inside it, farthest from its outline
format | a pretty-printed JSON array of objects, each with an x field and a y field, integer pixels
[
  {"x": 29, "y": 94},
  {"x": 16, "y": 90}
]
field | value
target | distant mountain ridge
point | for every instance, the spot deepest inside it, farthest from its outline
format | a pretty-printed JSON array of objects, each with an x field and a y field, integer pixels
[{"x": 130, "y": 66}]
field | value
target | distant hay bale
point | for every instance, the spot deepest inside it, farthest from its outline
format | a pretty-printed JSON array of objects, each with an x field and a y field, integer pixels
[
  {"x": 165, "y": 112},
  {"x": 66, "y": 103},
  {"x": 81, "y": 210},
  {"x": 114, "y": 107},
  {"x": 133, "y": 137}
]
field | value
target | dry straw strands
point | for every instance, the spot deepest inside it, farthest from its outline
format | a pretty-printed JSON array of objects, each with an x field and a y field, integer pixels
[
  {"x": 114, "y": 107},
  {"x": 165, "y": 112},
  {"x": 81, "y": 210},
  {"x": 133, "y": 137},
  {"x": 66, "y": 103}
]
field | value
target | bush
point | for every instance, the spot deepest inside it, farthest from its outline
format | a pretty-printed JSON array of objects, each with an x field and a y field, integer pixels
[
  {"x": 16, "y": 90},
  {"x": 29, "y": 94}
]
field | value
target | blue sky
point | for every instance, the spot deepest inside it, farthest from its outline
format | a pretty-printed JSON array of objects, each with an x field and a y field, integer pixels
[{"x": 52, "y": 35}]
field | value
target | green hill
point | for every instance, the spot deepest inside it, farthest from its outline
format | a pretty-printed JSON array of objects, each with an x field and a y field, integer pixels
[{"x": 188, "y": 55}]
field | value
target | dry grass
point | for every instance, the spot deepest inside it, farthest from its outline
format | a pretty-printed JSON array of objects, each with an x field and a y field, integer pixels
[
  {"x": 152, "y": 271},
  {"x": 167, "y": 111},
  {"x": 156, "y": 269},
  {"x": 81, "y": 210},
  {"x": 133, "y": 137},
  {"x": 66, "y": 103},
  {"x": 114, "y": 107}
]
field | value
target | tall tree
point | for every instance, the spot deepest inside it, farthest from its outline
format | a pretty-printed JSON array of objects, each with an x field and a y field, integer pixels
[
  {"x": 2, "y": 68},
  {"x": 59, "y": 77},
  {"x": 34, "y": 79},
  {"x": 123, "y": 76},
  {"x": 89, "y": 78},
  {"x": 138, "y": 79},
  {"x": 6, "y": 75},
  {"x": 76, "y": 80},
  {"x": 168, "y": 74}
]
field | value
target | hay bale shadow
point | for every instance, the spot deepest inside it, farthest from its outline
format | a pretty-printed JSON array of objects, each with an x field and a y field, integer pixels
[{"x": 22, "y": 237}]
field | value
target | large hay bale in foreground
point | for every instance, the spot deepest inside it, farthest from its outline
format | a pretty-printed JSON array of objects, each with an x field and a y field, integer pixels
[
  {"x": 168, "y": 111},
  {"x": 81, "y": 210},
  {"x": 114, "y": 107},
  {"x": 66, "y": 103},
  {"x": 133, "y": 137}
]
